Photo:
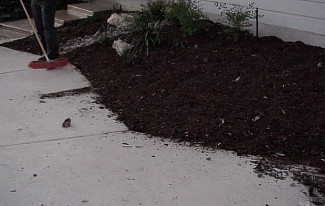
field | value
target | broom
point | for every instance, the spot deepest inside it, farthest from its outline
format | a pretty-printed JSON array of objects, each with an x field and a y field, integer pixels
[{"x": 43, "y": 64}]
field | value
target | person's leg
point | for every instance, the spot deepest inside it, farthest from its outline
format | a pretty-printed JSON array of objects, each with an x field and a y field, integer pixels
[
  {"x": 37, "y": 15},
  {"x": 48, "y": 14}
]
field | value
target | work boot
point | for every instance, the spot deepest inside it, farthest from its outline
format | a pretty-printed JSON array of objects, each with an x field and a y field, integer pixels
[{"x": 54, "y": 56}]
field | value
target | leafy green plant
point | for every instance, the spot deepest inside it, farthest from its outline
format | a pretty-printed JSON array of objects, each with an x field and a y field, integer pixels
[
  {"x": 129, "y": 57},
  {"x": 144, "y": 32},
  {"x": 144, "y": 26},
  {"x": 156, "y": 9},
  {"x": 238, "y": 17},
  {"x": 105, "y": 39},
  {"x": 187, "y": 13}
]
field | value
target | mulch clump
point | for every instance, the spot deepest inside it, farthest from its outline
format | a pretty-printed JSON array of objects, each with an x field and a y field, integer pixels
[{"x": 258, "y": 96}]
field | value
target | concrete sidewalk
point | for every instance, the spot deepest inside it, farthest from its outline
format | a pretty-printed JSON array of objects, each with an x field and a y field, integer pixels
[{"x": 98, "y": 162}]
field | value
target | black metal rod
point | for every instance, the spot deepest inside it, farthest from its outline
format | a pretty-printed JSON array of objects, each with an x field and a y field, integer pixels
[{"x": 256, "y": 16}]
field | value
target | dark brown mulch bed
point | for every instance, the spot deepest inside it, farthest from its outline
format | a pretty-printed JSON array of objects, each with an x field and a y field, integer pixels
[{"x": 259, "y": 96}]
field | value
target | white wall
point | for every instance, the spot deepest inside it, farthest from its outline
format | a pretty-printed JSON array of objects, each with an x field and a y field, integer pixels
[
  {"x": 290, "y": 20},
  {"x": 129, "y": 5}
]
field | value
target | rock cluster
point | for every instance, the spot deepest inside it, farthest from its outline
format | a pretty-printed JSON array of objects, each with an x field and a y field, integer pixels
[{"x": 116, "y": 27}]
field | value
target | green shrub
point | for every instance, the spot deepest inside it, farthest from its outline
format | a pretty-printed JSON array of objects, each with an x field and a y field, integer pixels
[
  {"x": 238, "y": 18},
  {"x": 105, "y": 39},
  {"x": 186, "y": 13},
  {"x": 129, "y": 57},
  {"x": 144, "y": 32},
  {"x": 145, "y": 25},
  {"x": 157, "y": 9}
]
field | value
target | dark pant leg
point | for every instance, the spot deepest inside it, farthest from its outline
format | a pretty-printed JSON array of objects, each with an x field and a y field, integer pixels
[
  {"x": 37, "y": 15},
  {"x": 44, "y": 15},
  {"x": 48, "y": 13}
]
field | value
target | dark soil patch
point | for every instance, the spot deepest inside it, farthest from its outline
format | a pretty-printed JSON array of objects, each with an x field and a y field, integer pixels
[
  {"x": 258, "y": 96},
  {"x": 66, "y": 93}
]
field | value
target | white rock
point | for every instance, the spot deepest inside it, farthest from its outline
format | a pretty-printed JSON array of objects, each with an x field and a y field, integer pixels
[
  {"x": 89, "y": 41},
  {"x": 118, "y": 20},
  {"x": 121, "y": 46},
  {"x": 256, "y": 118}
]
